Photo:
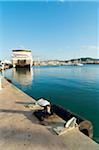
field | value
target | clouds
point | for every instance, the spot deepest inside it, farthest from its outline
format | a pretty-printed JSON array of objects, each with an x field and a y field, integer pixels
[{"x": 94, "y": 47}]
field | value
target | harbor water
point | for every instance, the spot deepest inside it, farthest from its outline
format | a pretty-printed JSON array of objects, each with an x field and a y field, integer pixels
[{"x": 74, "y": 87}]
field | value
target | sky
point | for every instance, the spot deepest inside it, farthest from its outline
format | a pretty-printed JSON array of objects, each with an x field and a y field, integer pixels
[{"x": 51, "y": 29}]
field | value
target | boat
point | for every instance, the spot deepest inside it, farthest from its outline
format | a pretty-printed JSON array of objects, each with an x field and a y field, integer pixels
[{"x": 79, "y": 64}]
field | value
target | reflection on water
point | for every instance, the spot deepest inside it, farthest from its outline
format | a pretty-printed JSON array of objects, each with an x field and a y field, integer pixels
[{"x": 23, "y": 76}]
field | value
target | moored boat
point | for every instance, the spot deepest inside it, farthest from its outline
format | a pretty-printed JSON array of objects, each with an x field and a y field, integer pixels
[{"x": 79, "y": 64}]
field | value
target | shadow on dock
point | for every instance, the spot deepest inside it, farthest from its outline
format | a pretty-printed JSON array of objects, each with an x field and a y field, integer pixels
[{"x": 27, "y": 114}]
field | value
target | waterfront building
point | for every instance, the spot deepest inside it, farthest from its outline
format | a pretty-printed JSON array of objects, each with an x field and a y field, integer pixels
[
  {"x": 53, "y": 62},
  {"x": 22, "y": 58}
]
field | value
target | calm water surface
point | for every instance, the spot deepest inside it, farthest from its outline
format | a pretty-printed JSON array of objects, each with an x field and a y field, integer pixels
[{"x": 74, "y": 87}]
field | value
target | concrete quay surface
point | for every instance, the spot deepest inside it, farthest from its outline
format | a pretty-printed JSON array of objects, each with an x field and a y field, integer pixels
[{"x": 19, "y": 129}]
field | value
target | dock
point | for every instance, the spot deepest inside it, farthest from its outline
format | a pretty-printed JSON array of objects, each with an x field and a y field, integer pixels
[{"x": 20, "y": 129}]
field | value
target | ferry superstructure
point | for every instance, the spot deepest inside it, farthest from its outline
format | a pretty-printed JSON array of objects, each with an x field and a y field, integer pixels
[{"x": 22, "y": 58}]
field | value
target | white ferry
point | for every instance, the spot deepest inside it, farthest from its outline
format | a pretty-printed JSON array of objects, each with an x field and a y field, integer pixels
[{"x": 22, "y": 58}]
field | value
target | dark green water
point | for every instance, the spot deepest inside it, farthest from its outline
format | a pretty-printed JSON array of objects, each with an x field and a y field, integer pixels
[{"x": 74, "y": 87}]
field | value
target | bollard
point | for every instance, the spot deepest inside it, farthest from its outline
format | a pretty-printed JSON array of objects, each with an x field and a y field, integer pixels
[{"x": 85, "y": 126}]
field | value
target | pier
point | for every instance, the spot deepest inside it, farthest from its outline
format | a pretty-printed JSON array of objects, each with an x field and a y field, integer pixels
[{"x": 20, "y": 129}]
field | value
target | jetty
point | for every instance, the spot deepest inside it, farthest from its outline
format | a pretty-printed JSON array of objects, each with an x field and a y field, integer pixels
[{"x": 20, "y": 129}]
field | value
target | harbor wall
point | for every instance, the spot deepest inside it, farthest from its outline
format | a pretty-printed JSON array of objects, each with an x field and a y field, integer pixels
[{"x": 19, "y": 129}]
